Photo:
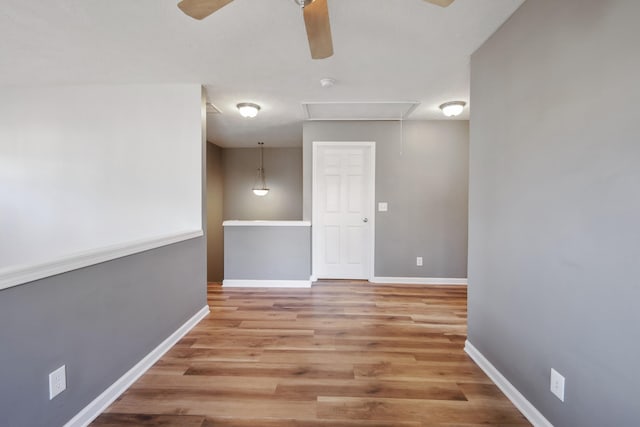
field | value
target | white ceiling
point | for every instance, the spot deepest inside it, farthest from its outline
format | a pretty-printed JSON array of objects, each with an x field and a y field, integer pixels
[{"x": 254, "y": 50}]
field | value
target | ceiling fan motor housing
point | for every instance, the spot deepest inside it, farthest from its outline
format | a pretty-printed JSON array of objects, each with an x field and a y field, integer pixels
[{"x": 303, "y": 3}]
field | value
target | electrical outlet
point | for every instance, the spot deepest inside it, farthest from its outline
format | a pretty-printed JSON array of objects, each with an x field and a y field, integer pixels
[
  {"x": 383, "y": 206},
  {"x": 419, "y": 261},
  {"x": 57, "y": 381},
  {"x": 557, "y": 384}
]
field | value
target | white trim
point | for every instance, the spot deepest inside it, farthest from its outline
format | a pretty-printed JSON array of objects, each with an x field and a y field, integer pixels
[
  {"x": 528, "y": 410},
  {"x": 238, "y": 223},
  {"x": 241, "y": 283},
  {"x": 363, "y": 118},
  {"x": 107, "y": 397},
  {"x": 372, "y": 216},
  {"x": 420, "y": 280},
  {"x": 22, "y": 274},
  {"x": 372, "y": 235}
]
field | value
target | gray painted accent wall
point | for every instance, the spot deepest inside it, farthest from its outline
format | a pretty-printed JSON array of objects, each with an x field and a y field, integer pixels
[
  {"x": 422, "y": 173},
  {"x": 283, "y": 170},
  {"x": 215, "y": 233},
  {"x": 267, "y": 253},
  {"x": 98, "y": 321},
  {"x": 554, "y": 253}
]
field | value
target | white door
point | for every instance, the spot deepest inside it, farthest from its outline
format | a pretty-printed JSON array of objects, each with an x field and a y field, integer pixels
[{"x": 342, "y": 221}]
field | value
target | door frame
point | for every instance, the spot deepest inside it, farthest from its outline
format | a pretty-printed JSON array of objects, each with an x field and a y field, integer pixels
[{"x": 371, "y": 145}]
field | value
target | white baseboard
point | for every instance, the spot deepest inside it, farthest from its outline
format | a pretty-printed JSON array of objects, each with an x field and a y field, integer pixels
[
  {"x": 528, "y": 410},
  {"x": 100, "y": 403},
  {"x": 240, "y": 283},
  {"x": 420, "y": 280}
]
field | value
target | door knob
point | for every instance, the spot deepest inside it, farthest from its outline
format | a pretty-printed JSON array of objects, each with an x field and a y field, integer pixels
[{"x": 365, "y": 219}]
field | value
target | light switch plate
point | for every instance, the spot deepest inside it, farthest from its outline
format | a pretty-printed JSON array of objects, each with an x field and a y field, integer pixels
[{"x": 383, "y": 207}]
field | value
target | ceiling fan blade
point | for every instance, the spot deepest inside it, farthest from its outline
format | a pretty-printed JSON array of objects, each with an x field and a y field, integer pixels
[
  {"x": 316, "y": 19},
  {"x": 200, "y": 9},
  {"x": 443, "y": 3}
]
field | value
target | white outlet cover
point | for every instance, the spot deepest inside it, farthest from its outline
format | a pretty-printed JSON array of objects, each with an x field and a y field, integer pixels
[
  {"x": 383, "y": 206},
  {"x": 57, "y": 381},
  {"x": 419, "y": 261},
  {"x": 557, "y": 384}
]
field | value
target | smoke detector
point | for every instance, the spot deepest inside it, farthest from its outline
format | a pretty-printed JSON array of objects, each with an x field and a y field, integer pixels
[{"x": 327, "y": 82}]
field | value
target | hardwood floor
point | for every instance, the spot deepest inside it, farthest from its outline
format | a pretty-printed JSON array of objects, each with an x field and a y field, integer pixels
[{"x": 341, "y": 354}]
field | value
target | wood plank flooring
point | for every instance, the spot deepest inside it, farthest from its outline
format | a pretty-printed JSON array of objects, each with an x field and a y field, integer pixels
[{"x": 341, "y": 354}]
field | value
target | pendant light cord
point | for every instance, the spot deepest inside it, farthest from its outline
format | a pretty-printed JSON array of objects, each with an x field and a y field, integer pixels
[
  {"x": 260, "y": 185},
  {"x": 261, "y": 169},
  {"x": 401, "y": 135}
]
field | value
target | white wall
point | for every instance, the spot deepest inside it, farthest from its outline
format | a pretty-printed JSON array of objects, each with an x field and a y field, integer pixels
[{"x": 83, "y": 168}]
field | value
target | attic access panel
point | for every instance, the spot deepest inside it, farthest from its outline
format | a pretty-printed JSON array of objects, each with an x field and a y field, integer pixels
[{"x": 394, "y": 110}]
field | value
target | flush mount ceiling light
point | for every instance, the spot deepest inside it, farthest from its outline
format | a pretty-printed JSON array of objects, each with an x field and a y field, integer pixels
[
  {"x": 453, "y": 108},
  {"x": 260, "y": 186},
  {"x": 248, "y": 109}
]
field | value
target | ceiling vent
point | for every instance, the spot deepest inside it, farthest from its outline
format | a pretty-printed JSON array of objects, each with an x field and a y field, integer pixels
[{"x": 386, "y": 110}]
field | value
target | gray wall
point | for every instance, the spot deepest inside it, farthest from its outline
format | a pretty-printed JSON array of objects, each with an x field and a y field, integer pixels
[
  {"x": 267, "y": 253},
  {"x": 283, "y": 170},
  {"x": 424, "y": 178},
  {"x": 98, "y": 321},
  {"x": 554, "y": 254},
  {"x": 215, "y": 235}
]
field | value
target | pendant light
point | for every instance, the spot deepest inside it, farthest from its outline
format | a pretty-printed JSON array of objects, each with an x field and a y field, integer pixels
[{"x": 260, "y": 186}]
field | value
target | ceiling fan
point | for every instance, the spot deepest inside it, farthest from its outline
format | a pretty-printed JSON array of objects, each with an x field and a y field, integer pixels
[{"x": 316, "y": 20}]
